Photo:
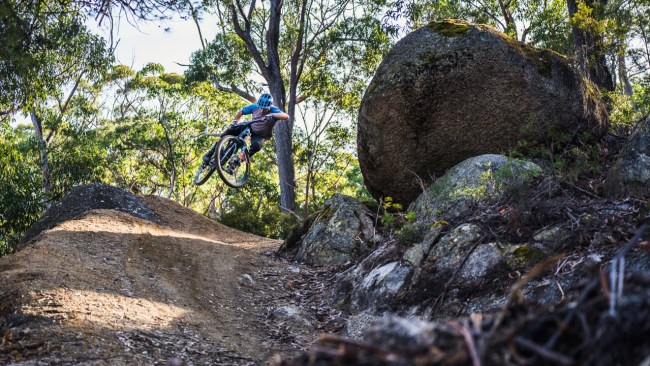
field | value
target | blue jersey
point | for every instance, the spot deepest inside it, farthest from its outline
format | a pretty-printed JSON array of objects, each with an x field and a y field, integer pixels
[{"x": 261, "y": 127}]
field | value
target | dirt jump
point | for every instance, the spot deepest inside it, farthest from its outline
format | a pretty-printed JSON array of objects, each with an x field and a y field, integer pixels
[{"x": 109, "y": 288}]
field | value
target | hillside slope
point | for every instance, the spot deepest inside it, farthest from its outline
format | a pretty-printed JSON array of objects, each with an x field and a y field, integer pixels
[{"x": 110, "y": 288}]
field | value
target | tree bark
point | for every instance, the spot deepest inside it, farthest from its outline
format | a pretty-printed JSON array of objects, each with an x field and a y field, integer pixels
[
  {"x": 272, "y": 72},
  {"x": 170, "y": 153},
  {"x": 283, "y": 130},
  {"x": 284, "y": 152},
  {"x": 625, "y": 80},
  {"x": 589, "y": 49},
  {"x": 45, "y": 164}
]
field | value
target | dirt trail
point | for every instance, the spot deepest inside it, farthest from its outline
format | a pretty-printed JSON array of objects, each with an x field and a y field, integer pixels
[{"x": 110, "y": 288}]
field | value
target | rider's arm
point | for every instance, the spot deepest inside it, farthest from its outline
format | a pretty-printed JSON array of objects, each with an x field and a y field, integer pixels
[
  {"x": 278, "y": 114},
  {"x": 281, "y": 115},
  {"x": 238, "y": 115}
]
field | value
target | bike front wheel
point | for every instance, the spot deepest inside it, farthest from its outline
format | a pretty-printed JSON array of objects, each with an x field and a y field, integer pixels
[{"x": 232, "y": 162}]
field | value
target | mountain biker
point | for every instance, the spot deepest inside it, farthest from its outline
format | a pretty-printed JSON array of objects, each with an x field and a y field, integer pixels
[{"x": 265, "y": 115}]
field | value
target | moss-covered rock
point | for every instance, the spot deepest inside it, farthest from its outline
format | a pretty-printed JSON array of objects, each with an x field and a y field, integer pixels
[
  {"x": 522, "y": 256},
  {"x": 450, "y": 27},
  {"x": 340, "y": 232},
  {"x": 481, "y": 178}
]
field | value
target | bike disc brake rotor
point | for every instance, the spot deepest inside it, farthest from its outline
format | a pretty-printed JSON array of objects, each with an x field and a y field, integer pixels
[{"x": 235, "y": 169}]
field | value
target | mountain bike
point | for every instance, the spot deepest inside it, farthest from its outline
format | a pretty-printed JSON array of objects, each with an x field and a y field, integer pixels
[{"x": 231, "y": 159}]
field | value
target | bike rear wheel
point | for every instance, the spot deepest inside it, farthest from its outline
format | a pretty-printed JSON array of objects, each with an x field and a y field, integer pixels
[
  {"x": 233, "y": 165},
  {"x": 205, "y": 171}
]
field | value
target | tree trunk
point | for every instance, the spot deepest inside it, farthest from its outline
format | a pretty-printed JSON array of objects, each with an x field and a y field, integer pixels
[
  {"x": 622, "y": 74},
  {"x": 45, "y": 164},
  {"x": 305, "y": 210},
  {"x": 283, "y": 130},
  {"x": 283, "y": 150},
  {"x": 589, "y": 49},
  {"x": 170, "y": 157}
]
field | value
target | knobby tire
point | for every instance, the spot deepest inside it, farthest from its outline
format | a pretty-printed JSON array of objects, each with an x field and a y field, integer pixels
[
  {"x": 205, "y": 172},
  {"x": 227, "y": 149}
]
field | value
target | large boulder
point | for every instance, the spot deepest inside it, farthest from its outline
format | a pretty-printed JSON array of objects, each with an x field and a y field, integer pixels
[
  {"x": 630, "y": 175},
  {"x": 452, "y": 90}
]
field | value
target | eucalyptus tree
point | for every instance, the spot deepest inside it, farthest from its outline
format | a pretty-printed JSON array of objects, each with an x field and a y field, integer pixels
[
  {"x": 150, "y": 113},
  {"x": 283, "y": 44},
  {"x": 36, "y": 34},
  {"x": 543, "y": 23},
  {"x": 154, "y": 129},
  {"x": 47, "y": 53},
  {"x": 323, "y": 141},
  {"x": 587, "y": 20}
]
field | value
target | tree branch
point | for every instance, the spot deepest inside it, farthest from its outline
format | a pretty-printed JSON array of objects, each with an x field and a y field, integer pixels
[
  {"x": 63, "y": 108},
  {"x": 196, "y": 21},
  {"x": 296, "y": 69},
  {"x": 250, "y": 45}
]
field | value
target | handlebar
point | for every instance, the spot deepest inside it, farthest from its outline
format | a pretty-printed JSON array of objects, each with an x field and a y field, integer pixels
[{"x": 208, "y": 133}]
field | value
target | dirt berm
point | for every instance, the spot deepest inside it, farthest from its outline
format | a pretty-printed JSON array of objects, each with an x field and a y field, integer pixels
[{"x": 107, "y": 287}]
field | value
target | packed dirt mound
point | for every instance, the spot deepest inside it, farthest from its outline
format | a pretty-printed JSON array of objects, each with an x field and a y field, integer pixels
[{"x": 108, "y": 287}]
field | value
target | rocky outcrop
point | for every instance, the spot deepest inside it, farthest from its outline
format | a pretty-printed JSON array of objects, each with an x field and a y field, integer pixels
[
  {"x": 453, "y": 90},
  {"x": 630, "y": 175},
  {"x": 547, "y": 336},
  {"x": 377, "y": 281},
  {"x": 341, "y": 232}
]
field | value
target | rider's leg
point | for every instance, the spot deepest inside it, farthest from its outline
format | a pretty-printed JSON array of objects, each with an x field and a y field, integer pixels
[
  {"x": 208, "y": 155},
  {"x": 234, "y": 130},
  {"x": 256, "y": 143}
]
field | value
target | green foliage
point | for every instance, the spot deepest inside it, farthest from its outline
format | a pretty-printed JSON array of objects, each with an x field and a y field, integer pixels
[
  {"x": 550, "y": 28},
  {"x": 339, "y": 69},
  {"x": 392, "y": 215},
  {"x": 225, "y": 58},
  {"x": 44, "y": 42},
  {"x": 575, "y": 160},
  {"x": 255, "y": 207},
  {"x": 402, "y": 223},
  {"x": 626, "y": 110},
  {"x": 270, "y": 222},
  {"x": 20, "y": 199}
]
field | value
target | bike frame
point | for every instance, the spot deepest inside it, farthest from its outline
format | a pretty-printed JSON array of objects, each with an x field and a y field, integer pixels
[{"x": 241, "y": 142}]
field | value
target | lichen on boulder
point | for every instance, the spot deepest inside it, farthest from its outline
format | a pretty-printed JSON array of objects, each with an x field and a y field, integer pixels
[{"x": 341, "y": 232}]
